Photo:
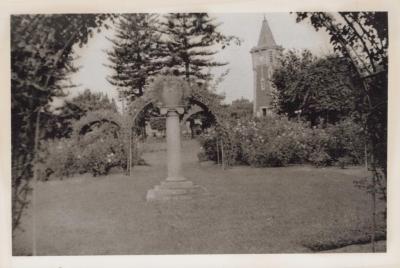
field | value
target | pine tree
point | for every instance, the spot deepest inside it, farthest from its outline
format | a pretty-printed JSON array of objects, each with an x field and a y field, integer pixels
[
  {"x": 135, "y": 54},
  {"x": 190, "y": 40}
]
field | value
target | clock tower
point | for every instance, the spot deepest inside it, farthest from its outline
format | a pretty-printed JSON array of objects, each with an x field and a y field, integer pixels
[{"x": 265, "y": 58}]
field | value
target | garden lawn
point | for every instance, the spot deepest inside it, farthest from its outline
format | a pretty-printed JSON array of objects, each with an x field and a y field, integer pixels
[{"x": 243, "y": 210}]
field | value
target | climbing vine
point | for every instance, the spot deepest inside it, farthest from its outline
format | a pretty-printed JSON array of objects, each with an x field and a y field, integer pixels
[
  {"x": 105, "y": 139},
  {"x": 84, "y": 124}
]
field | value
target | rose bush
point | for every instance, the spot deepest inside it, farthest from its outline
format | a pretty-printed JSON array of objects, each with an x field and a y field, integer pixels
[
  {"x": 272, "y": 141},
  {"x": 96, "y": 152},
  {"x": 208, "y": 142},
  {"x": 278, "y": 141},
  {"x": 58, "y": 159},
  {"x": 100, "y": 156}
]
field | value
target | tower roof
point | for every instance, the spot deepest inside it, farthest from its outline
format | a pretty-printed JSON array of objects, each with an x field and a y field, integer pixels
[{"x": 266, "y": 38}]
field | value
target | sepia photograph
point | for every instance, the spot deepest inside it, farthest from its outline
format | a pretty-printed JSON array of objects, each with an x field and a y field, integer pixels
[{"x": 199, "y": 133}]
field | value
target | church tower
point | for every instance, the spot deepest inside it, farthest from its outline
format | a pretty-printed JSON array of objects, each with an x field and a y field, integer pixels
[{"x": 265, "y": 58}]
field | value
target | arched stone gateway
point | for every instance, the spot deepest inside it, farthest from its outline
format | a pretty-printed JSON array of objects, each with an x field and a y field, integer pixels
[
  {"x": 173, "y": 96},
  {"x": 84, "y": 124},
  {"x": 207, "y": 101},
  {"x": 192, "y": 111},
  {"x": 137, "y": 107},
  {"x": 200, "y": 98}
]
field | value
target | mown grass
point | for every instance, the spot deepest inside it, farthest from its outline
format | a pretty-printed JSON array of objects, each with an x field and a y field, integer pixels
[{"x": 243, "y": 210}]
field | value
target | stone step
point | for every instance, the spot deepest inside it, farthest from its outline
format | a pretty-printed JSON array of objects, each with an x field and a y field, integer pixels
[
  {"x": 176, "y": 184},
  {"x": 173, "y": 190},
  {"x": 154, "y": 196}
]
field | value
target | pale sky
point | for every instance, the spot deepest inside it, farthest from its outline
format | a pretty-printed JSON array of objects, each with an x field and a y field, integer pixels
[{"x": 239, "y": 82}]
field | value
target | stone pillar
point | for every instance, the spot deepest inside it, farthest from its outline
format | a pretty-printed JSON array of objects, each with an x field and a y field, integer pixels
[
  {"x": 170, "y": 92},
  {"x": 175, "y": 186},
  {"x": 174, "y": 158}
]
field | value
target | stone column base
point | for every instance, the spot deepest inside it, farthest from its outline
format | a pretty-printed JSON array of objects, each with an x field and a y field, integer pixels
[{"x": 173, "y": 190}]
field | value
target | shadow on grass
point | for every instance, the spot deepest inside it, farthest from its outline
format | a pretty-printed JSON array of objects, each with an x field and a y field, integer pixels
[{"x": 322, "y": 242}]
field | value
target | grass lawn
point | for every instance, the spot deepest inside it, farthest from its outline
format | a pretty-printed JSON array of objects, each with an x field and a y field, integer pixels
[{"x": 243, "y": 210}]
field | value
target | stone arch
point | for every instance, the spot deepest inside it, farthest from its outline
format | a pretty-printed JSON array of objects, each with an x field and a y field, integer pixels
[
  {"x": 201, "y": 97},
  {"x": 137, "y": 107},
  {"x": 100, "y": 116},
  {"x": 209, "y": 102},
  {"x": 103, "y": 116},
  {"x": 191, "y": 112}
]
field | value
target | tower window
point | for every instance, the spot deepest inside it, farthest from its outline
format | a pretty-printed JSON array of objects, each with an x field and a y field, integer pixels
[
  {"x": 271, "y": 58},
  {"x": 262, "y": 81},
  {"x": 264, "y": 112},
  {"x": 270, "y": 73}
]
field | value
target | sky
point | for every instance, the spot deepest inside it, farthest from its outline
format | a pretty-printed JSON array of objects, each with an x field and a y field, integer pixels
[{"x": 239, "y": 82}]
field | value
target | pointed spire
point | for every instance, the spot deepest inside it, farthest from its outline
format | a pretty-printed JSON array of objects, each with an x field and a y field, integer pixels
[{"x": 266, "y": 38}]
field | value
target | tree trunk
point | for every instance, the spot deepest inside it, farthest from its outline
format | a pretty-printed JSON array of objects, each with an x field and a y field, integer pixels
[
  {"x": 373, "y": 232},
  {"x": 222, "y": 154},
  {"x": 217, "y": 152},
  {"x": 187, "y": 71},
  {"x": 130, "y": 152},
  {"x": 34, "y": 181},
  {"x": 191, "y": 129}
]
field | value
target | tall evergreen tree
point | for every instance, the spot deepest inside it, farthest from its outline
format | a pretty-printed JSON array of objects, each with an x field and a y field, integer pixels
[
  {"x": 135, "y": 54},
  {"x": 190, "y": 40}
]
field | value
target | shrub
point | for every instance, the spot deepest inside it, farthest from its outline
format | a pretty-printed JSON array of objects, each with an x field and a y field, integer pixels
[
  {"x": 58, "y": 159},
  {"x": 101, "y": 155},
  {"x": 208, "y": 142},
  {"x": 158, "y": 123},
  {"x": 341, "y": 143},
  {"x": 317, "y": 144},
  {"x": 320, "y": 158},
  {"x": 271, "y": 141},
  {"x": 278, "y": 141},
  {"x": 274, "y": 141},
  {"x": 96, "y": 153},
  {"x": 347, "y": 142}
]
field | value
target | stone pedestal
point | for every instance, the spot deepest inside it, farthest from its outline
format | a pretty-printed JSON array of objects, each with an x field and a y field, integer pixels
[
  {"x": 173, "y": 190},
  {"x": 175, "y": 186}
]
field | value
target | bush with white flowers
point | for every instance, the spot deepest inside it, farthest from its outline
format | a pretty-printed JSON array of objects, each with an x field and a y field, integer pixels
[{"x": 278, "y": 141}]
